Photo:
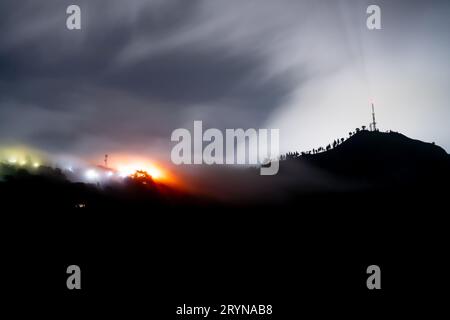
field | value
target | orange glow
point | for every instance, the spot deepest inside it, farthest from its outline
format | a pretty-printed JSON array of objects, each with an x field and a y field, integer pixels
[
  {"x": 130, "y": 169},
  {"x": 126, "y": 165}
]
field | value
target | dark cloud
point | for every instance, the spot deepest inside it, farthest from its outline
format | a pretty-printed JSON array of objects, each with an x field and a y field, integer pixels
[
  {"x": 139, "y": 69},
  {"x": 81, "y": 76}
]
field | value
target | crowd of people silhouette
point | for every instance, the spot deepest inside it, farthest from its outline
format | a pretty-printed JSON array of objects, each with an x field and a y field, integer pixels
[{"x": 330, "y": 146}]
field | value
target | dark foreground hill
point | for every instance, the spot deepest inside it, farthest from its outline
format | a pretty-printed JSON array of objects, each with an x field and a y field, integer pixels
[{"x": 377, "y": 198}]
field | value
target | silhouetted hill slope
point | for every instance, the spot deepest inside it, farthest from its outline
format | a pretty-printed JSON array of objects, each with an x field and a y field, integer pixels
[{"x": 384, "y": 160}]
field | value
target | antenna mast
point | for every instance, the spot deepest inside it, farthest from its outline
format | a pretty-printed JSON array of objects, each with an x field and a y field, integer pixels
[
  {"x": 373, "y": 125},
  {"x": 106, "y": 161}
]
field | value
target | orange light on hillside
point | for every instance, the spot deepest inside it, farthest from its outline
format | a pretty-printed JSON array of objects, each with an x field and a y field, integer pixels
[
  {"x": 127, "y": 165},
  {"x": 127, "y": 170}
]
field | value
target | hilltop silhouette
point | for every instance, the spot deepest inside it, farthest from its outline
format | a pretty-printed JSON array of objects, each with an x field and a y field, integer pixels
[{"x": 383, "y": 160}]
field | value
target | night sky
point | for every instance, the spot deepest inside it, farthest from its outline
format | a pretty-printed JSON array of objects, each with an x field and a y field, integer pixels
[{"x": 140, "y": 69}]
